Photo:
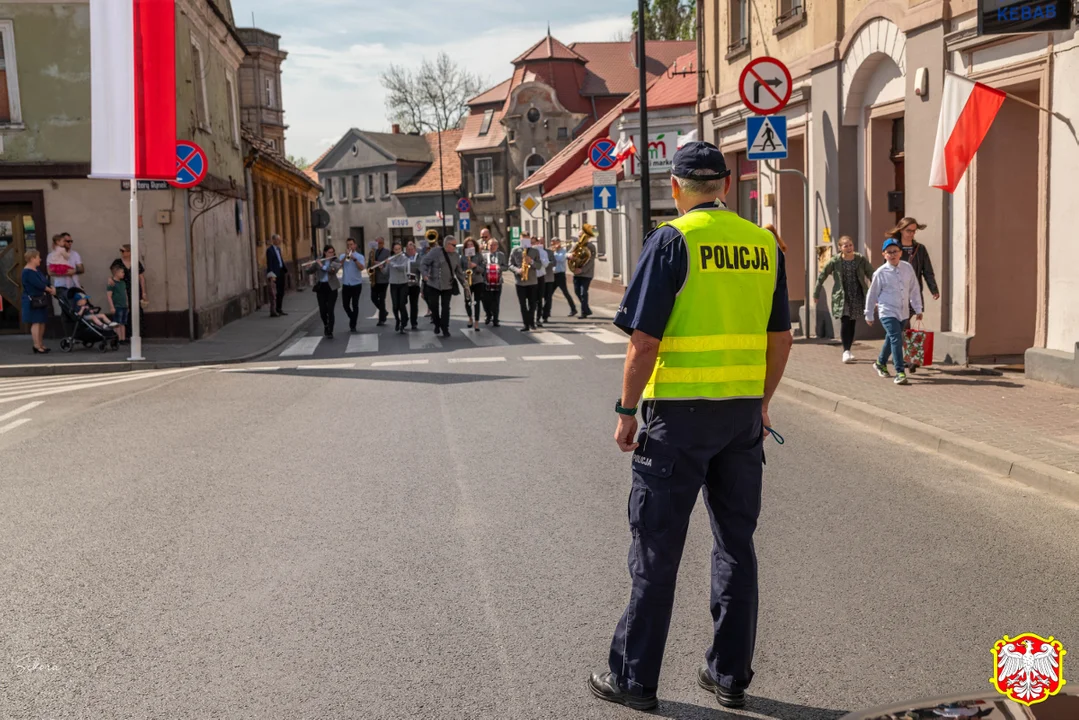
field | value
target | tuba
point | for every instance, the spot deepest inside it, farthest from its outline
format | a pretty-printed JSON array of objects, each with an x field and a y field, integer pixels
[
  {"x": 580, "y": 255},
  {"x": 432, "y": 236}
]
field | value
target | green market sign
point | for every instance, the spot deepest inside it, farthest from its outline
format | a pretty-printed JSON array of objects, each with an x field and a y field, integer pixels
[{"x": 1004, "y": 17}]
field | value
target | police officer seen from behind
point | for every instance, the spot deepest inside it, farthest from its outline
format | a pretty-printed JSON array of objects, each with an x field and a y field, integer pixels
[{"x": 710, "y": 335}]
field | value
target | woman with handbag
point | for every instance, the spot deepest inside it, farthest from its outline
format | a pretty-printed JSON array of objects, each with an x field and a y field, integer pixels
[
  {"x": 441, "y": 268},
  {"x": 495, "y": 265},
  {"x": 35, "y": 299},
  {"x": 853, "y": 274}
]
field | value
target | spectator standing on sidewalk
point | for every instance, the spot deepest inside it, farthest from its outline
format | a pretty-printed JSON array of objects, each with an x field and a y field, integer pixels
[
  {"x": 35, "y": 302},
  {"x": 276, "y": 272},
  {"x": 918, "y": 257},
  {"x": 852, "y": 273},
  {"x": 124, "y": 262},
  {"x": 60, "y": 265},
  {"x": 119, "y": 297},
  {"x": 892, "y": 293},
  {"x": 352, "y": 265}
]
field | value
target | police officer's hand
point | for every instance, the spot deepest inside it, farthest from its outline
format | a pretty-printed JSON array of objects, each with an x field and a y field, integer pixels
[
  {"x": 767, "y": 422},
  {"x": 626, "y": 434}
]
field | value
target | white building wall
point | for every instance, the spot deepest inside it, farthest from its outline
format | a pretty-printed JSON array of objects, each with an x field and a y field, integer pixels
[{"x": 1063, "y": 315}]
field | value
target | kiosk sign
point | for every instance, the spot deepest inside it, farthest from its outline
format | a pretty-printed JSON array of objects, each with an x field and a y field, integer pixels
[{"x": 1003, "y": 17}]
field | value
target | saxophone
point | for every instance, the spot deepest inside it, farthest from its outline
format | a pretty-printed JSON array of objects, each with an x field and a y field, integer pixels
[
  {"x": 580, "y": 255},
  {"x": 526, "y": 264}
]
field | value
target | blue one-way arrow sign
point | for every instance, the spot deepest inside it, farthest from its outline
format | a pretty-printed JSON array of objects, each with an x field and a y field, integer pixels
[{"x": 604, "y": 197}]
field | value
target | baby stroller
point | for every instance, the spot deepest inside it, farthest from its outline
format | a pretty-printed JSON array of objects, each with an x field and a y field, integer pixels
[{"x": 80, "y": 329}]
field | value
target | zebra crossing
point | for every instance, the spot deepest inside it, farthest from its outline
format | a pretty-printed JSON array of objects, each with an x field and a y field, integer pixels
[
  {"x": 13, "y": 390},
  {"x": 575, "y": 339}
]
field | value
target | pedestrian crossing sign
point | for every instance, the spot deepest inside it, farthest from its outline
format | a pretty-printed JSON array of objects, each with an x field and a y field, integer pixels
[{"x": 766, "y": 137}]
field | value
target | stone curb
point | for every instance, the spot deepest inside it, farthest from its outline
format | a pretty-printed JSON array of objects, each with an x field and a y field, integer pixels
[
  {"x": 1029, "y": 472},
  {"x": 87, "y": 368}
]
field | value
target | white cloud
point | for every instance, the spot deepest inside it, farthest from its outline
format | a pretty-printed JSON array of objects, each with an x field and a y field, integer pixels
[{"x": 330, "y": 86}]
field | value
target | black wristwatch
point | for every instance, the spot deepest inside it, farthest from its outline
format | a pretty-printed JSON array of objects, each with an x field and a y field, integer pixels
[{"x": 629, "y": 412}]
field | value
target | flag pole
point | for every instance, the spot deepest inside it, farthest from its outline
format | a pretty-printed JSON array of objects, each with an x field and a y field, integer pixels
[{"x": 136, "y": 330}]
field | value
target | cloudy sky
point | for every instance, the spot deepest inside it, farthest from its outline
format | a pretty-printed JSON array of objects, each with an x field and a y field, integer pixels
[{"x": 338, "y": 48}]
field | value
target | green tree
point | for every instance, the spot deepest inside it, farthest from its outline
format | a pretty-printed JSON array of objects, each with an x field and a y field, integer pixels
[
  {"x": 300, "y": 162},
  {"x": 668, "y": 20}
]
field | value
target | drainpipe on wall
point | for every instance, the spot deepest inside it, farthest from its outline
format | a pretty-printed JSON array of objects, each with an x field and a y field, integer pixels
[{"x": 190, "y": 270}]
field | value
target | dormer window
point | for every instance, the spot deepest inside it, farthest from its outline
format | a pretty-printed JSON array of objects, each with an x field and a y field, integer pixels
[{"x": 486, "y": 126}]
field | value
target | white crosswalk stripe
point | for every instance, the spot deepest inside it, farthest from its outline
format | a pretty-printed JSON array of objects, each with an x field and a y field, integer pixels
[
  {"x": 483, "y": 338},
  {"x": 365, "y": 343},
  {"x": 545, "y": 337},
  {"x": 304, "y": 347},
  {"x": 34, "y": 387},
  {"x": 607, "y": 337},
  {"x": 424, "y": 341}
]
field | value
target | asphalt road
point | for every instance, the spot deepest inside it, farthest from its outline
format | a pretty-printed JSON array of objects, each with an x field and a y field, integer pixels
[{"x": 449, "y": 540}]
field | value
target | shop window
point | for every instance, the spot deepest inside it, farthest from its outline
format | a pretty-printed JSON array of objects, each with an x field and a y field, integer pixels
[{"x": 748, "y": 205}]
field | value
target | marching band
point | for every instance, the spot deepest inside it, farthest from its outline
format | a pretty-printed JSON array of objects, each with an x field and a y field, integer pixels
[{"x": 440, "y": 271}]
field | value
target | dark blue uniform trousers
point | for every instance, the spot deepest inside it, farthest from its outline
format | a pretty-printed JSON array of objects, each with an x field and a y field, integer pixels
[{"x": 684, "y": 446}]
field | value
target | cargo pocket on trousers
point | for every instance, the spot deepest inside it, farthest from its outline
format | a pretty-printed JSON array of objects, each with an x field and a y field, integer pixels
[{"x": 650, "y": 496}]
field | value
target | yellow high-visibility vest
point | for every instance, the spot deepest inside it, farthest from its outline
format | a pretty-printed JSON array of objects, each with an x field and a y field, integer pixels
[{"x": 716, "y": 340}]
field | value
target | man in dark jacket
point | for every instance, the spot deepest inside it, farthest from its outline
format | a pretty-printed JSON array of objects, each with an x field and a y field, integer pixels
[{"x": 275, "y": 265}]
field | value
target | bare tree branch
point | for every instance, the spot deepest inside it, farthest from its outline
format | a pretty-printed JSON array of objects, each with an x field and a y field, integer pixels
[{"x": 432, "y": 97}]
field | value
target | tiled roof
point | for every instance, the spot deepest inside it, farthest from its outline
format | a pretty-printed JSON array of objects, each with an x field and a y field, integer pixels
[
  {"x": 268, "y": 152},
  {"x": 470, "y": 135},
  {"x": 570, "y": 158},
  {"x": 578, "y": 180},
  {"x": 309, "y": 171},
  {"x": 402, "y": 146},
  {"x": 497, "y": 94},
  {"x": 611, "y": 69},
  {"x": 449, "y": 163},
  {"x": 674, "y": 88},
  {"x": 548, "y": 49}
]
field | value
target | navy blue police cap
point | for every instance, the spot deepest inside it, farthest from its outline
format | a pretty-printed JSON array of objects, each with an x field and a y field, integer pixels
[{"x": 699, "y": 161}]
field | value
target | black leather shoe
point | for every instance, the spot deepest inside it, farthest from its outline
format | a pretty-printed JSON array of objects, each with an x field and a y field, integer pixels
[
  {"x": 726, "y": 698},
  {"x": 605, "y": 687}
]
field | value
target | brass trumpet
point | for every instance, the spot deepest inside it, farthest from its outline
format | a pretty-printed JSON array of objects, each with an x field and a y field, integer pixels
[
  {"x": 526, "y": 264},
  {"x": 580, "y": 254}
]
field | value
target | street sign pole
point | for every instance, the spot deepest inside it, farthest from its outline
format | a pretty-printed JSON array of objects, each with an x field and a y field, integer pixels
[
  {"x": 642, "y": 150},
  {"x": 809, "y": 245},
  {"x": 136, "y": 292}
]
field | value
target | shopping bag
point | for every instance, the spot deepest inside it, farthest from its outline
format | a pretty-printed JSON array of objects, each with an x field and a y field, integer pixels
[{"x": 918, "y": 347}]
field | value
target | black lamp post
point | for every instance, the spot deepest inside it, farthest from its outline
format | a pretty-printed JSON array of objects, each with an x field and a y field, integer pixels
[{"x": 642, "y": 148}]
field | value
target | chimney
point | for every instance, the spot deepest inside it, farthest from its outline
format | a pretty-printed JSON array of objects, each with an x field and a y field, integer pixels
[{"x": 396, "y": 129}]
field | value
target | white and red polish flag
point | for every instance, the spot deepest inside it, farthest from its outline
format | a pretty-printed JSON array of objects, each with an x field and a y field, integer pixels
[
  {"x": 967, "y": 110},
  {"x": 133, "y": 89}
]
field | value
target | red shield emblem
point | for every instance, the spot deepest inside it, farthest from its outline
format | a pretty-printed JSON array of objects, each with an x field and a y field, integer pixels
[{"x": 1028, "y": 668}]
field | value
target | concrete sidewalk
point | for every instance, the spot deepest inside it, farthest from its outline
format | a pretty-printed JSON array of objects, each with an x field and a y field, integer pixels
[
  {"x": 1005, "y": 424},
  {"x": 239, "y": 341}
]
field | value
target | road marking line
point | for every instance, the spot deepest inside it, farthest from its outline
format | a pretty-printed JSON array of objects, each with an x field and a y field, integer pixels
[
  {"x": 12, "y": 426},
  {"x": 389, "y": 363},
  {"x": 424, "y": 340},
  {"x": 270, "y": 368},
  {"x": 537, "y": 358},
  {"x": 20, "y": 411},
  {"x": 302, "y": 347},
  {"x": 477, "y": 360},
  {"x": 549, "y": 338},
  {"x": 56, "y": 381},
  {"x": 483, "y": 339},
  {"x": 365, "y": 343},
  {"x": 618, "y": 356},
  {"x": 607, "y": 337},
  {"x": 102, "y": 383},
  {"x": 337, "y": 366}
]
